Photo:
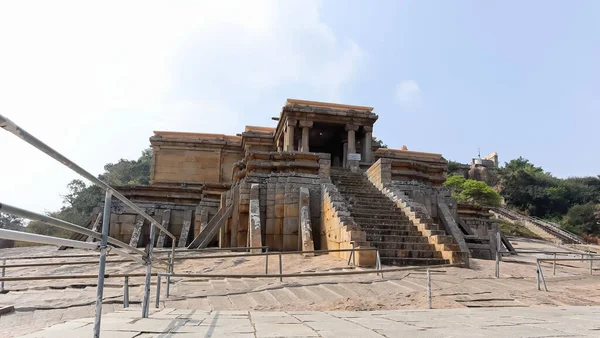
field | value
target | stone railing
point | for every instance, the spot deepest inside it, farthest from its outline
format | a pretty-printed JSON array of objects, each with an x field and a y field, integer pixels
[
  {"x": 338, "y": 228},
  {"x": 381, "y": 175},
  {"x": 404, "y": 165}
]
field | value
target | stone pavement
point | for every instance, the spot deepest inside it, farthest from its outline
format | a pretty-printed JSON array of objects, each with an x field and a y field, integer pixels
[{"x": 466, "y": 322}]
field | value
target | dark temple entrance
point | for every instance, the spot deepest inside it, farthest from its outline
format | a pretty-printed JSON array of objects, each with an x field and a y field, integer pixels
[{"x": 328, "y": 138}]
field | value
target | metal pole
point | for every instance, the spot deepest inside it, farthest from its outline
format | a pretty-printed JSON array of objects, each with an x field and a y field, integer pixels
[
  {"x": 126, "y": 293},
  {"x": 543, "y": 278},
  {"x": 10, "y": 126},
  {"x": 35, "y": 238},
  {"x": 537, "y": 274},
  {"x": 3, "y": 274},
  {"x": 266, "y": 264},
  {"x": 157, "y": 291},
  {"x": 102, "y": 266},
  {"x": 169, "y": 276},
  {"x": 499, "y": 243},
  {"x": 379, "y": 261},
  {"x": 428, "y": 288},
  {"x": 350, "y": 257},
  {"x": 498, "y": 264},
  {"x": 591, "y": 264},
  {"x": 353, "y": 255},
  {"x": 9, "y": 209},
  {"x": 554, "y": 265},
  {"x": 280, "y": 269},
  {"x": 145, "y": 304}
]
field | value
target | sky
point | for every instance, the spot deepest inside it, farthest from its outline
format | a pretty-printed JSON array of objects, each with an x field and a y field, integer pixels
[{"x": 94, "y": 79}]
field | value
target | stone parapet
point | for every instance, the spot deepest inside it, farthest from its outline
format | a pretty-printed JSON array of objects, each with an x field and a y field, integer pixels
[
  {"x": 379, "y": 174},
  {"x": 338, "y": 229},
  {"x": 278, "y": 162},
  {"x": 404, "y": 165}
]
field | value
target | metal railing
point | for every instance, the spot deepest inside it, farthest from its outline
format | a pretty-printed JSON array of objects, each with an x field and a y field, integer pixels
[
  {"x": 147, "y": 256},
  {"x": 553, "y": 229}
]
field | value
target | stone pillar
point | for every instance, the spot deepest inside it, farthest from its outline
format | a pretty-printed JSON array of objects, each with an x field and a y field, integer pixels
[
  {"x": 254, "y": 234},
  {"x": 351, "y": 137},
  {"x": 351, "y": 128},
  {"x": 306, "y": 125},
  {"x": 305, "y": 231},
  {"x": 368, "y": 147},
  {"x": 289, "y": 135},
  {"x": 345, "y": 155}
]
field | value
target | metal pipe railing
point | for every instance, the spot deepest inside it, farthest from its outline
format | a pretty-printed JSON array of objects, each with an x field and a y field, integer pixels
[
  {"x": 13, "y": 128},
  {"x": 309, "y": 274},
  {"x": 102, "y": 264},
  {"x": 35, "y": 238},
  {"x": 9, "y": 209}
]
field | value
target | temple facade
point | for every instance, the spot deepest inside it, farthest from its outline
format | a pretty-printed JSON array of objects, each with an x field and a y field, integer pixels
[{"x": 318, "y": 180}]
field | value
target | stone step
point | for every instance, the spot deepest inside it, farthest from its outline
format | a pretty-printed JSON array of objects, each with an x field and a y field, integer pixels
[
  {"x": 393, "y": 232},
  {"x": 368, "y": 222},
  {"x": 367, "y": 202},
  {"x": 364, "y": 194},
  {"x": 412, "y": 261},
  {"x": 380, "y": 208},
  {"x": 378, "y": 216},
  {"x": 393, "y": 253},
  {"x": 371, "y": 237},
  {"x": 403, "y": 246}
]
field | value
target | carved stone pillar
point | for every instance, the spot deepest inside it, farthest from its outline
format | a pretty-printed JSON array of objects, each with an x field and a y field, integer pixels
[
  {"x": 351, "y": 128},
  {"x": 345, "y": 155},
  {"x": 351, "y": 137},
  {"x": 289, "y": 135},
  {"x": 368, "y": 147},
  {"x": 306, "y": 125}
]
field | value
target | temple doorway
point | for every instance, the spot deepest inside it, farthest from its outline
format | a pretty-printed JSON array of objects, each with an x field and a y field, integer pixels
[{"x": 328, "y": 138}]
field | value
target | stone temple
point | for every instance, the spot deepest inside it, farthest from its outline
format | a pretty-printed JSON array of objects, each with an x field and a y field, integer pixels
[{"x": 318, "y": 180}]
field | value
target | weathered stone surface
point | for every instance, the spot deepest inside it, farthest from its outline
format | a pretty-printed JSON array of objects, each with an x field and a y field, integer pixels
[
  {"x": 305, "y": 222},
  {"x": 166, "y": 221},
  {"x": 254, "y": 226},
  {"x": 185, "y": 229},
  {"x": 137, "y": 231}
]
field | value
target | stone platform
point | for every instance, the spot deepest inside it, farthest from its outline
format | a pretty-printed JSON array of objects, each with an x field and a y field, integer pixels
[{"x": 496, "y": 322}]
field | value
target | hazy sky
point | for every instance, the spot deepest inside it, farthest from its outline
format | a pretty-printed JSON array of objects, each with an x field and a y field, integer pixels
[{"x": 93, "y": 80}]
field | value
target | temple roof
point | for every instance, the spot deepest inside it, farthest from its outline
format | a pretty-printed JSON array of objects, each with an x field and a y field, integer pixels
[
  {"x": 196, "y": 136},
  {"x": 328, "y": 105}
]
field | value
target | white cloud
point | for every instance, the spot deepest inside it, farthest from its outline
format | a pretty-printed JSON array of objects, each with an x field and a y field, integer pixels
[
  {"x": 93, "y": 79},
  {"x": 408, "y": 95}
]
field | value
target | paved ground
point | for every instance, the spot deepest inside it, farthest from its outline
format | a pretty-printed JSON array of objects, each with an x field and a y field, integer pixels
[
  {"x": 40, "y": 304},
  {"x": 496, "y": 322}
]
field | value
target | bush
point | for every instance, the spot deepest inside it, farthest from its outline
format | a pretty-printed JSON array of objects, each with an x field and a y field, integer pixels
[
  {"x": 583, "y": 218},
  {"x": 472, "y": 191}
]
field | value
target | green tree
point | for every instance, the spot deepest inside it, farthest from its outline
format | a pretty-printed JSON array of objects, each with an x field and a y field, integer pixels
[
  {"x": 472, "y": 191},
  {"x": 36, "y": 227},
  {"x": 527, "y": 187},
  {"x": 10, "y": 222},
  {"x": 583, "y": 218},
  {"x": 82, "y": 198},
  {"x": 126, "y": 172}
]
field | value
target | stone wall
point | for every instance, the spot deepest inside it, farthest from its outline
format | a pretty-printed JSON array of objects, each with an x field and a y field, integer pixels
[
  {"x": 279, "y": 176},
  {"x": 412, "y": 182},
  {"x": 337, "y": 228},
  {"x": 123, "y": 220},
  {"x": 478, "y": 219},
  {"x": 193, "y": 158}
]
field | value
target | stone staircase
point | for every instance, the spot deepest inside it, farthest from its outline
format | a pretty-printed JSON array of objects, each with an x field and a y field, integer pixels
[{"x": 399, "y": 241}]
